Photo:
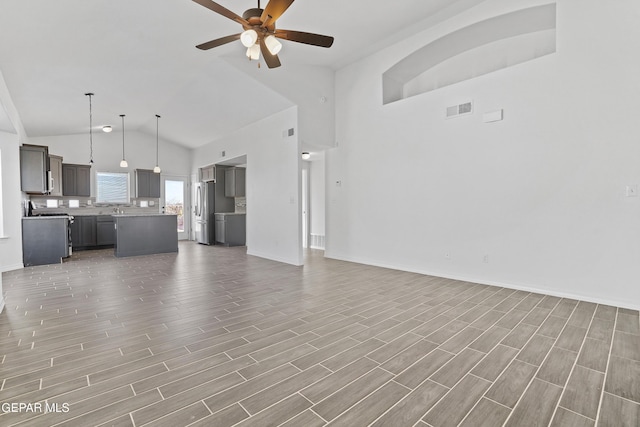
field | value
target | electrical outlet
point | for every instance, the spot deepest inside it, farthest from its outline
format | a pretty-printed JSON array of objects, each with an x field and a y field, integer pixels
[
  {"x": 447, "y": 255},
  {"x": 485, "y": 259}
]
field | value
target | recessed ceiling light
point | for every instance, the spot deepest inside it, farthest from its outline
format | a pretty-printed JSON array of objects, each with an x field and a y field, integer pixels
[{"x": 107, "y": 129}]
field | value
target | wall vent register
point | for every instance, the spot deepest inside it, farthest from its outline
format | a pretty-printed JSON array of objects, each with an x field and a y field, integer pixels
[{"x": 459, "y": 110}]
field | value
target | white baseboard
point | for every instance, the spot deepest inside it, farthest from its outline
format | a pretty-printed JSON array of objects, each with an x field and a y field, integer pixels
[
  {"x": 11, "y": 267},
  {"x": 297, "y": 263},
  {"x": 520, "y": 287}
]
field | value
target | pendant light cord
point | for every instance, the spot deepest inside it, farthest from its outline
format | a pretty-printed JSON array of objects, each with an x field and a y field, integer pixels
[
  {"x": 157, "y": 121},
  {"x": 122, "y": 115},
  {"x": 90, "y": 128}
]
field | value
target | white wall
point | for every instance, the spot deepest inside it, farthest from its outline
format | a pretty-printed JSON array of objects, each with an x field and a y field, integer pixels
[
  {"x": 308, "y": 87},
  {"x": 272, "y": 182},
  {"x": 540, "y": 194},
  {"x": 140, "y": 153},
  {"x": 11, "y": 241}
]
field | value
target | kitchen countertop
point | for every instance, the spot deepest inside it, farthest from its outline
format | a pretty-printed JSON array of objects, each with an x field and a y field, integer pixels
[
  {"x": 140, "y": 214},
  {"x": 46, "y": 216}
]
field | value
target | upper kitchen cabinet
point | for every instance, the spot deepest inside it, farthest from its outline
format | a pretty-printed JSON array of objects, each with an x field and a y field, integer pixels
[
  {"x": 76, "y": 180},
  {"x": 34, "y": 167},
  {"x": 208, "y": 173},
  {"x": 147, "y": 183},
  {"x": 234, "y": 182},
  {"x": 55, "y": 175}
]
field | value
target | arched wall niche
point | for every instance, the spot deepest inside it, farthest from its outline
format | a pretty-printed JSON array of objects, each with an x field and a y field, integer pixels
[{"x": 472, "y": 51}]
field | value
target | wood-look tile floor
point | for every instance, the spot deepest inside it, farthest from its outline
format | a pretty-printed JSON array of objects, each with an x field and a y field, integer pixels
[{"x": 213, "y": 337}]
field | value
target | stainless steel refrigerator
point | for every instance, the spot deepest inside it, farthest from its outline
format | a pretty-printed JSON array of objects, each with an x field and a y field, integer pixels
[{"x": 204, "y": 210}]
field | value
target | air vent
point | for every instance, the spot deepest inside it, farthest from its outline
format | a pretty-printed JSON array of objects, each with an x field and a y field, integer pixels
[{"x": 460, "y": 110}]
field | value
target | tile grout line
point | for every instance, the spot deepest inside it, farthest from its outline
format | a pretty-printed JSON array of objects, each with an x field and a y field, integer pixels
[
  {"x": 575, "y": 363},
  {"x": 606, "y": 372},
  {"x": 515, "y": 357},
  {"x": 543, "y": 360}
]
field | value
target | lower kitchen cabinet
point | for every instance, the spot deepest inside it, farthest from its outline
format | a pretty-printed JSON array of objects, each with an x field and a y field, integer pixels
[
  {"x": 105, "y": 231},
  {"x": 92, "y": 231},
  {"x": 230, "y": 229}
]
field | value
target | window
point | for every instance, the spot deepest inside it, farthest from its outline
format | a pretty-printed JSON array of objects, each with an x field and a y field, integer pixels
[{"x": 112, "y": 187}]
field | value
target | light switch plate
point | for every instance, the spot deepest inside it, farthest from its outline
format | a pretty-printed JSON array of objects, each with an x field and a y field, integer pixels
[{"x": 632, "y": 190}]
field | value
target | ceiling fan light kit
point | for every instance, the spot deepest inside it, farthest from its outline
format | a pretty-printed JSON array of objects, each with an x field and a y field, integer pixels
[
  {"x": 273, "y": 44},
  {"x": 249, "y": 38},
  {"x": 260, "y": 34},
  {"x": 253, "y": 52}
]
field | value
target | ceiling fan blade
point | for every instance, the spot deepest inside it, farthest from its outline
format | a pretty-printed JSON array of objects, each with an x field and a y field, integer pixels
[
  {"x": 218, "y": 42},
  {"x": 222, "y": 11},
  {"x": 273, "y": 11},
  {"x": 271, "y": 60},
  {"x": 307, "y": 38}
]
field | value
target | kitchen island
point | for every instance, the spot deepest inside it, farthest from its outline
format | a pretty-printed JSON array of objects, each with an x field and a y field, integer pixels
[
  {"x": 45, "y": 239},
  {"x": 145, "y": 234}
]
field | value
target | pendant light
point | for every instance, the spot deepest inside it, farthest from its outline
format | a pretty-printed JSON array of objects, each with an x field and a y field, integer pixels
[
  {"x": 123, "y": 163},
  {"x": 157, "y": 168},
  {"x": 89, "y": 94}
]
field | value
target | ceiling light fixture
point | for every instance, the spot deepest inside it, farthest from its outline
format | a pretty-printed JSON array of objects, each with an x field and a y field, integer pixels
[
  {"x": 306, "y": 155},
  {"x": 123, "y": 162},
  {"x": 157, "y": 168},
  {"x": 272, "y": 44},
  {"x": 89, "y": 94},
  {"x": 249, "y": 38},
  {"x": 107, "y": 129},
  {"x": 253, "y": 52}
]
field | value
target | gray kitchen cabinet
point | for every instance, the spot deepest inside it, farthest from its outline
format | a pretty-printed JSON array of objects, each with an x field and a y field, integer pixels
[
  {"x": 34, "y": 168},
  {"x": 76, "y": 180},
  {"x": 55, "y": 175},
  {"x": 219, "y": 229},
  {"x": 44, "y": 240},
  {"x": 230, "y": 229},
  {"x": 83, "y": 232},
  {"x": 105, "y": 231},
  {"x": 234, "y": 182},
  {"x": 147, "y": 183},
  {"x": 208, "y": 173},
  {"x": 145, "y": 234}
]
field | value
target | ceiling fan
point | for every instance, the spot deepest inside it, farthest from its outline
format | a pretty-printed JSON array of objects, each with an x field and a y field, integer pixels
[{"x": 260, "y": 34}]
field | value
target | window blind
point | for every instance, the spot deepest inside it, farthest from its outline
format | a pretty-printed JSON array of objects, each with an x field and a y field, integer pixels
[{"x": 112, "y": 187}]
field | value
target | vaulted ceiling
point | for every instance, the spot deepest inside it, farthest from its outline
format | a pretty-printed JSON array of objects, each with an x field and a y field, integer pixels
[{"x": 139, "y": 58}]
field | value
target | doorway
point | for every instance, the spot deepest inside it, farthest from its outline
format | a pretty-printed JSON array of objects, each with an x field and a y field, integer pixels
[
  {"x": 174, "y": 198},
  {"x": 305, "y": 205}
]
